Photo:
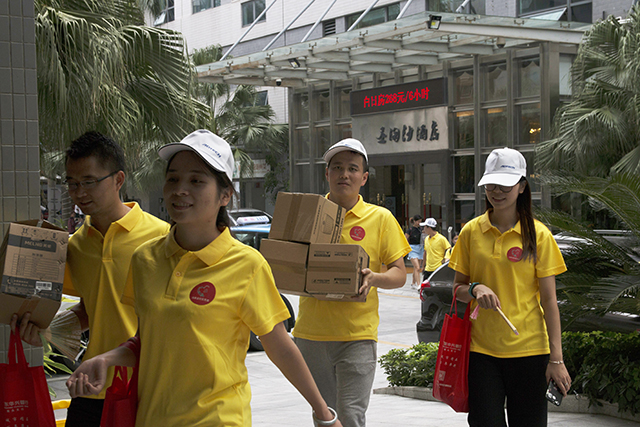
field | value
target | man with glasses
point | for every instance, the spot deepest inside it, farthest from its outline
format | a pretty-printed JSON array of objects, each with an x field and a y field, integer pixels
[{"x": 98, "y": 257}]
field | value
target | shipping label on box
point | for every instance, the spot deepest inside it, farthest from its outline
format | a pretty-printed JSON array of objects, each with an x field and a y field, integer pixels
[
  {"x": 32, "y": 262},
  {"x": 306, "y": 218},
  {"x": 335, "y": 270},
  {"x": 288, "y": 261}
]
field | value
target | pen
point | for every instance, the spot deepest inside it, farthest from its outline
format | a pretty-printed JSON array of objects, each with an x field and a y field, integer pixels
[{"x": 513, "y": 328}]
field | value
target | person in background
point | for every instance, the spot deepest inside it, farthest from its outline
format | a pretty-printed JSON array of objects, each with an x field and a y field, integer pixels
[
  {"x": 338, "y": 339},
  {"x": 435, "y": 245},
  {"x": 98, "y": 257},
  {"x": 447, "y": 253},
  {"x": 71, "y": 223},
  {"x": 505, "y": 259},
  {"x": 198, "y": 293},
  {"x": 414, "y": 237}
]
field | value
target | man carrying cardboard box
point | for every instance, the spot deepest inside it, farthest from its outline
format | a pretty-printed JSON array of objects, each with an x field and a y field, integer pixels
[
  {"x": 338, "y": 339},
  {"x": 98, "y": 257}
]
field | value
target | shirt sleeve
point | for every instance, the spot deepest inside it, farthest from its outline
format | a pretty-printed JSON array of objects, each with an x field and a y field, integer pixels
[
  {"x": 394, "y": 244},
  {"x": 67, "y": 283},
  {"x": 549, "y": 258}
]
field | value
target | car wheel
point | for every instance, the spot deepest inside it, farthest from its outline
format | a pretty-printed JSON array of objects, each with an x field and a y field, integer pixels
[{"x": 254, "y": 341}]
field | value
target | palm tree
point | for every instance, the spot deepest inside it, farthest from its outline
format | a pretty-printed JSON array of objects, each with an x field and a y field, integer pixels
[{"x": 599, "y": 131}]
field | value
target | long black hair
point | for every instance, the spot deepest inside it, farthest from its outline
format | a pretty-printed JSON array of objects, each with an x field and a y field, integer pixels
[
  {"x": 222, "y": 221},
  {"x": 527, "y": 223}
]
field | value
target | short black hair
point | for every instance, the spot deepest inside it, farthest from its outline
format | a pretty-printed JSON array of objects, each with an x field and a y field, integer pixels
[
  {"x": 365, "y": 164},
  {"x": 105, "y": 149}
]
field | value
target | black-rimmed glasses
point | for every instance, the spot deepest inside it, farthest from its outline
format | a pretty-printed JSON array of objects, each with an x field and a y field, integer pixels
[
  {"x": 502, "y": 188},
  {"x": 88, "y": 184}
]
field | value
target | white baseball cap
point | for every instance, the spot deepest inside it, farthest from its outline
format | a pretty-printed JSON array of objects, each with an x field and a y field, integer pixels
[
  {"x": 348, "y": 144},
  {"x": 504, "y": 166},
  {"x": 214, "y": 150},
  {"x": 429, "y": 222}
]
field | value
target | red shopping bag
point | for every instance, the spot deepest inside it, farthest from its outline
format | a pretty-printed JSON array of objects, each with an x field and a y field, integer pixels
[
  {"x": 450, "y": 382},
  {"x": 23, "y": 391},
  {"x": 121, "y": 400}
]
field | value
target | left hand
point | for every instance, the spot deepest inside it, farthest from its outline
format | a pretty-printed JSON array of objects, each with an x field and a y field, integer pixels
[
  {"x": 29, "y": 332},
  {"x": 560, "y": 375},
  {"x": 365, "y": 287}
]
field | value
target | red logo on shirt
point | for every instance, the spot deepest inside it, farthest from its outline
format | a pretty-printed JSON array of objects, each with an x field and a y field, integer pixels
[
  {"x": 203, "y": 293},
  {"x": 514, "y": 254},
  {"x": 357, "y": 233}
]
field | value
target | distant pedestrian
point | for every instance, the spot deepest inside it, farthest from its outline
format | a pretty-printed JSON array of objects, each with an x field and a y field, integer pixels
[
  {"x": 435, "y": 245},
  {"x": 447, "y": 253},
  {"x": 505, "y": 259},
  {"x": 198, "y": 293},
  {"x": 414, "y": 237}
]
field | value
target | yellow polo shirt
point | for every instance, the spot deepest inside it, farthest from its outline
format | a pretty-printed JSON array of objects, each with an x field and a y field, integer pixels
[
  {"x": 434, "y": 249},
  {"x": 377, "y": 231},
  {"x": 494, "y": 259},
  {"x": 196, "y": 311},
  {"x": 96, "y": 270}
]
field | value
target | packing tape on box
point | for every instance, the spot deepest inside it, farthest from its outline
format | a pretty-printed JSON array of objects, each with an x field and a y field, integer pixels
[{"x": 292, "y": 216}]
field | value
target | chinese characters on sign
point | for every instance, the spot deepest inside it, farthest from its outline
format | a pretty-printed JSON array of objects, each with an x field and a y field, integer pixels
[
  {"x": 406, "y": 133},
  {"x": 395, "y": 97},
  {"x": 406, "y": 96}
]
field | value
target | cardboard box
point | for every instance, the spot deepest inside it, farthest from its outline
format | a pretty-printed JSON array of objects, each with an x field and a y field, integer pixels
[
  {"x": 306, "y": 218},
  {"x": 32, "y": 261},
  {"x": 288, "y": 261},
  {"x": 334, "y": 271}
]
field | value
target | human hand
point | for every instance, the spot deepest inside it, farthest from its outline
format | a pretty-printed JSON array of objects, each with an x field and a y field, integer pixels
[
  {"x": 559, "y": 374},
  {"x": 485, "y": 297},
  {"x": 28, "y": 332},
  {"x": 365, "y": 286},
  {"x": 89, "y": 378}
]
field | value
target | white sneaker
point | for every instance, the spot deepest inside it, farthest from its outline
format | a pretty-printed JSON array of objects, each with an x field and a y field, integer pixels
[{"x": 415, "y": 287}]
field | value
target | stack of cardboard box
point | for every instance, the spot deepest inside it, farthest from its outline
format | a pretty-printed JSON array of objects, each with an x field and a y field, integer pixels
[{"x": 304, "y": 252}]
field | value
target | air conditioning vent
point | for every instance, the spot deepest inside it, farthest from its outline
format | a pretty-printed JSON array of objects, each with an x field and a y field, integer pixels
[{"x": 328, "y": 27}]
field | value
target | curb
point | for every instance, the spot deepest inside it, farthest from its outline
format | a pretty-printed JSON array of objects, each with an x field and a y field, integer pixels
[{"x": 573, "y": 405}]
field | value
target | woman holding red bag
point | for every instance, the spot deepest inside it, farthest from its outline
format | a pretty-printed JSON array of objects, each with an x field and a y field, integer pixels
[
  {"x": 198, "y": 293},
  {"x": 505, "y": 259}
]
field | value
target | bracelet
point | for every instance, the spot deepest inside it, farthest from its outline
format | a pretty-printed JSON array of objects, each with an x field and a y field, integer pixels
[
  {"x": 471, "y": 286},
  {"x": 557, "y": 362},
  {"x": 318, "y": 422}
]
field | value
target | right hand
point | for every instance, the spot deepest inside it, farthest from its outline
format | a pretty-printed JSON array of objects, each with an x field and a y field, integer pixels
[
  {"x": 486, "y": 298},
  {"x": 29, "y": 332},
  {"x": 89, "y": 378}
]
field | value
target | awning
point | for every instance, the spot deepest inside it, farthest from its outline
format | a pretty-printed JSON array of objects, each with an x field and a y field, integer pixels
[{"x": 386, "y": 47}]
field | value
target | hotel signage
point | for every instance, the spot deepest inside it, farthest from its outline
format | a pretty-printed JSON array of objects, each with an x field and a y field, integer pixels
[{"x": 407, "y": 96}]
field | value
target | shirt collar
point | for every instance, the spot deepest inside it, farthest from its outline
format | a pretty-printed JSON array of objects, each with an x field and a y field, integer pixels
[
  {"x": 358, "y": 209},
  {"x": 210, "y": 254},
  {"x": 128, "y": 221},
  {"x": 485, "y": 224}
]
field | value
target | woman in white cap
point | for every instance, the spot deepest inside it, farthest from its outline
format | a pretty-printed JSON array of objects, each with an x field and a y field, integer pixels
[
  {"x": 198, "y": 293},
  {"x": 506, "y": 260}
]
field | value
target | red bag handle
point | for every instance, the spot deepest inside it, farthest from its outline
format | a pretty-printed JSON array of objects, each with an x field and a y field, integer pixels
[
  {"x": 16, "y": 350},
  {"x": 454, "y": 305}
]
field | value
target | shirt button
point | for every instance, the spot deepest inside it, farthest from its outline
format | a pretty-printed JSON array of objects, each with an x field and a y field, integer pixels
[{"x": 178, "y": 274}]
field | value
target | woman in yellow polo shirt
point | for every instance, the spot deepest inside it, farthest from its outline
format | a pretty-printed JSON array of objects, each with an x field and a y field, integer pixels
[
  {"x": 505, "y": 259},
  {"x": 198, "y": 293}
]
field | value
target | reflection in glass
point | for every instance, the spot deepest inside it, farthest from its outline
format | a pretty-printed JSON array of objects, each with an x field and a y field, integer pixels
[
  {"x": 565, "y": 74},
  {"x": 464, "y": 87},
  {"x": 323, "y": 139},
  {"x": 496, "y": 126},
  {"x": 529, "y": 71},
  {"x": 344, "y": 131},
  {"x": 324, "y": 105},
  {"x": 301, "y": 143},
  {"x": 303, "y": 178},
  {"x": 495, "y": 86},
  {"x": 464, "y": 211},
  {"x": 375, "y": 16},
  {"x": 301, "y": 108},
  {"x": 532, "y": 177},
  {"x": 344, "y": 103},
  {"x": 463, "y": 126},
  {"x": 529, "y": 123},
  {"x": 582, "y": 13},
  {"x": 321, "y": 178},
  {"x": 463, "y": 174}
]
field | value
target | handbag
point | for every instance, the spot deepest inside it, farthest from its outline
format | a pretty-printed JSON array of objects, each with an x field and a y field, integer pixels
[
  {"x": 23, "y": 390},
  {"x": 121, "y": 400},
  {"x": 450, "y": 382}
]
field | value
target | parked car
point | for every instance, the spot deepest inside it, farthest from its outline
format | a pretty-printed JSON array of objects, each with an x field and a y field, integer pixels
[
  {"x": 252, "y": 235},
  {"x": 247, "y": 216},
  {"x": 436, "y": 294}
]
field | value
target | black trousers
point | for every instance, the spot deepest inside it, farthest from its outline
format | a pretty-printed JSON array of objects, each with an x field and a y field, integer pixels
[
  {"x": 84, "y": 412},
  {"x": 521, "y": 381}
]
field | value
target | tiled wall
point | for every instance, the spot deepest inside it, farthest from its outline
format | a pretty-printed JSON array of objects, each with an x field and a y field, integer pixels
[{"x": 19, "y": 145}]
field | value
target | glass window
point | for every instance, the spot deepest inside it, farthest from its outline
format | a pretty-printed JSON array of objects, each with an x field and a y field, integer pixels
[
  {"x": 529, "y": 123},
  {"x": 321, "y": 179},
  {"x": 464, "y": 211},
  {"x": 375, "y": 16},
  {"x": 495, "y": 82},
  {"x": 167, "y": 14},
  {"x": 438, "y": 6},
  {"x": 323, "y": 140},
  {"x": 344, "y": 131},
  {"x": 463, "y": 128},
  {"x": 528, "y": 6},
  {"x": 565, "y": 74},
  {"x": 303, "y": 178},
  {"x": 463, "y": 173},
  {"x": 323, "y": 112},
  {"x": 344, "y": 103},
  {"x": 199, "y": 5},
  {"x": 582, "y": 13},
  {"x": 463, "y": 87},
  {"x": 301, "y": 108},
  {"x": 301, "y": 143},
  {"x": 532, "y": 177},
  {"x": 251, "y": 10},
  {"x": 529, "y": 73},
  {"x": 495, "y": 120}
]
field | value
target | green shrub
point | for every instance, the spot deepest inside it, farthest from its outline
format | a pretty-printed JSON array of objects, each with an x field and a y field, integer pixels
[
  {"x": 605, "y": 365},
  {"x": 411, "y": 367}
]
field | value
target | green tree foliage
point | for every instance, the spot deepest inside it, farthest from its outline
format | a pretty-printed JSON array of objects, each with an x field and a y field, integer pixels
[{"x": 599, "y": 131}]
